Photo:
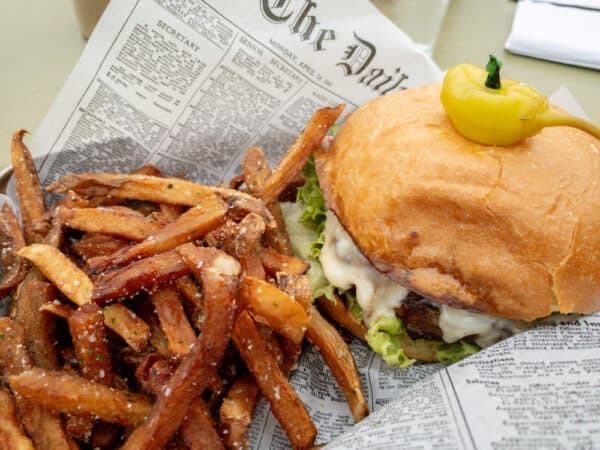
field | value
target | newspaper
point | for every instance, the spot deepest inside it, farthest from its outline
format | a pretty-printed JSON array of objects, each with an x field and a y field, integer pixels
[{"x": 188, "y": 85}]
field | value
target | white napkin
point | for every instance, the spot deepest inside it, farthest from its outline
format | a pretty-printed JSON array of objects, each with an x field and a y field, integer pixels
[{"x": 566, "y": 31}]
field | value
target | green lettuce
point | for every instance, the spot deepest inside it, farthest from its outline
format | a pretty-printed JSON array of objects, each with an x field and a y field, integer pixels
[
  {"x": 388, "y": 337},
  {"x": 384, "y": 337},
  {"x": 353, "y": 306},
  {"x": 451, "y": 353},
  {"x": 314, "y": 215}
]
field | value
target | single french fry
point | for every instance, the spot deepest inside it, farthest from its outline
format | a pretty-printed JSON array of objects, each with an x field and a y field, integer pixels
[
  {"x": 274, "y": 262},
  {"x": 256, "y": 172},
  {"x": 238, "y": 239},
  {"x": 338, "y": 312},
  {"x": 297, "y": 155},
  {"x": 285, "y": 403},
  {"x": 275, "y": 308},
  {"x": 236, "y": 412},
  {"x": 240, "y": 204},
  {"x": 153, "y": 372},
  {"x": 149, "y": 274},
  {"x": 337, "y": 355},
  {"x": 127, "y": 324},
  {"x": 172, "y": 191},
  {"x": 252, "y": 266},
  {"x": 11, "y": 435},
  {"x": 191, "y": 225},
  {"x": 38, "y": 329},
  {"x": 174, "y": 323},
  {"x": 58, "y": 309},
  {"x": 43, "y": 427},
  {"x": 198, "y": 429},
  {"x": 190, "y": 291},
  {"x": 64, "y": 393},
  {"x": 109, "y": 221},
  {"x": 29, "y": 189},
  {"x": 86, "y": 325},
  {"x": 157, "y": 339},
  {"x": 92, "y": 245},
  {"x": 61, "y": 271},
  {"x": 219, "y": 273},
  {"x": 14, "y": 268},
  {"x": 296, "y": 286}
]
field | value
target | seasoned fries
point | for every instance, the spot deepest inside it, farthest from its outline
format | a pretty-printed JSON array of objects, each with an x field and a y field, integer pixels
[
  {"x": 218, "y": 272},
  {"x": 128, "y": 325},
  {"x": 109, "y": 221},
  {"x": 236, "y": 412},
  {"x": 297, "y": 155},
  {"x": 61, "y": 271},
  {"x": 337, "y": 355},
  {"x": 191, "y": 225},
  {"x": 336, "y": 309},
  {"x": 144, "y": 274},
  {"x": 285, "y": 404},
  {"x": 275, "y": 308},
  {"x": 29, "y": 189},
  {"x": 14, "y": 267},
  {"x": 174, "y": 323},
  {"x": 11, "y": 435},
  {"x": 156, "y": 311},
  {"x": 172, "y": 191},
  {"x": 64, "y": 393}
]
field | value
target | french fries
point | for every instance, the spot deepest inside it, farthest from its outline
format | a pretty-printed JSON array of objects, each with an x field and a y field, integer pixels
[
  {"x": 127, "y": 324},
  {"x": 61, "y": 271},
  {"x": 285, "y": 404},
  {"x": 180, "y": 335},
  {"x": 172, "y": 191},
  {"x": 29, "y": 189},
  {"x": 112, "y": 222},
  {"x": 198, "y": 429},
  {"x": 38, "y": 329},
  {"x": 256, "y": 171},
  {"x": 336, "y": 309},
  {"x": 274, "y": 262},
  {"x": 337, "y": 355},
  {"x": 297, "y": 155},
  {"x": 219, "y": 279},
  {"x": 44, "y": 428},
  {"x": 14, "y": 267},
  {"x": 236, "y": 412},
  {"x": 64, "y": 393},
  {"x": 146, "y": 274},
  {"x": 11, "y": 435},
  {"x": 154, "y": 277},
  {"x": 191, "y": 225},
  {"x": 275, "y": 308}
]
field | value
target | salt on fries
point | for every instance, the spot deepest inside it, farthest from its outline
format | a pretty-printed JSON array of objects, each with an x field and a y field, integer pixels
[{"x": 182, "y": 301}]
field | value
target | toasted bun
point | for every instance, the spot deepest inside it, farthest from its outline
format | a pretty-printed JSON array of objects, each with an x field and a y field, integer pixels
[{"x": 510, "y": 231}]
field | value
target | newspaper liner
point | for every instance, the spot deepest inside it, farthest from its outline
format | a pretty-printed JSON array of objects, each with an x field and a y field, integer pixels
[{"x": 188, "y": 85}]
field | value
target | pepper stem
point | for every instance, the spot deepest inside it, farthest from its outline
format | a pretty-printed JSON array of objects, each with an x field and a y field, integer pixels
[
  {"x": 555, "y": 119},
  {"x": 493, "y": 69}
]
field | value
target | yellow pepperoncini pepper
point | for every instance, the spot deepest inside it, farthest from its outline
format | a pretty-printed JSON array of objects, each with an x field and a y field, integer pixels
[{"x": 494, "y": 111}]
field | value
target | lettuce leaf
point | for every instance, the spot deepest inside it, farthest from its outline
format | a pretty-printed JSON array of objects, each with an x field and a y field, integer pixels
[
  {"x": 314, "y": 214},
  {"x": 383, "y": 337},
  {"x": 451, "y": 353},
  {"x": 388, "y": 337},
  {"x": 353, "y": 306}
]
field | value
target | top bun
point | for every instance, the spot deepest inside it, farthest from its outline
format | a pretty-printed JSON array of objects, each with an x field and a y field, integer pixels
[{"x": 510, "y": 231}]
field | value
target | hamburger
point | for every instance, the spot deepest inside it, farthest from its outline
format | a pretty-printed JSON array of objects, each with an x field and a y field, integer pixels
[{"x": 440, "y": 245}]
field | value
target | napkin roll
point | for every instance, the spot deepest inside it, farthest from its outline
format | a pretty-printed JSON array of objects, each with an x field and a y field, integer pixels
[{"x": 565, "y": 31}]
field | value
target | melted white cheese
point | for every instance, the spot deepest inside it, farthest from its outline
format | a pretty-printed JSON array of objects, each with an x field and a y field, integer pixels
[
  {"x": 459, "y": 323},
  {"x": 345, "y": 267},
  {"x": 378, "y": 296}
]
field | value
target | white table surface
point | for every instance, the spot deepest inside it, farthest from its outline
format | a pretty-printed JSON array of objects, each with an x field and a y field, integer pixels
[{"x": 41, "y": 43}]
